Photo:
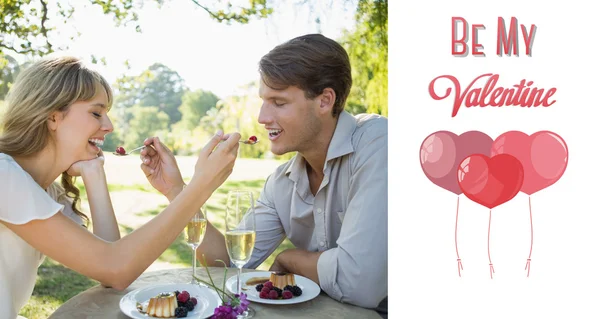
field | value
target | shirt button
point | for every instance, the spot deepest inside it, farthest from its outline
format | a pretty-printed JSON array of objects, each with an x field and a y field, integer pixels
[
  {"x": 322, "y": 243},
  {"x": 319, "y": 211}
]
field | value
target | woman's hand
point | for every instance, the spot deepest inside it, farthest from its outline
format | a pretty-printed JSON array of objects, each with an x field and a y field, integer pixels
[
  {"x": 79, "y": 168},
  {"x": 217, "y": 158},
  {"x": 160, "y": 167}
]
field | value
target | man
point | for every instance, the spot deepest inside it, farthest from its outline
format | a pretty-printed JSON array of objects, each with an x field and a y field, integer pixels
[{"x": 330, "y": 200}]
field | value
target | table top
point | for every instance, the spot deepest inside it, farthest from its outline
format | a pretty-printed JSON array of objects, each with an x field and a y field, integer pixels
[{"x": 100, "y": 302}]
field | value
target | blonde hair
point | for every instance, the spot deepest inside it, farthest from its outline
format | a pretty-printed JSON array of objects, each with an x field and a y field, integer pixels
[{"x": 47, "y": 86}]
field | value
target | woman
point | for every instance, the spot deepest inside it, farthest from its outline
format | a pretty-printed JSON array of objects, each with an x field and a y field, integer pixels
[{"x": 54, "y": 123}]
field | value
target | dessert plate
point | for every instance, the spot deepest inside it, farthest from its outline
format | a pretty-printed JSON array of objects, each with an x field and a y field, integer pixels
[
  {"x": 207, "y": 298},
  {"x": 310, "y": 289}
]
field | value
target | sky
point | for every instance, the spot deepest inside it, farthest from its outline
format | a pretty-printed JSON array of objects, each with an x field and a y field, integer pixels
[{"x": 208, "y": 55}]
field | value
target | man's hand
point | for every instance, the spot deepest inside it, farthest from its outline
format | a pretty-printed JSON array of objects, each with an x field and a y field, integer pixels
[
  {"x": 298, "y": 261},
  {"x": 160, "y": 167}
]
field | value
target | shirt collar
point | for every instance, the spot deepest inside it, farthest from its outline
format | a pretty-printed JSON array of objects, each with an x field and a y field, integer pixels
[{"x": 340, "y": 145}]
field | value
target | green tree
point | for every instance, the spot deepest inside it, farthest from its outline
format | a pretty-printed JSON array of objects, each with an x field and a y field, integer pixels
[
  {"x": 157, "y": 86},
  {"x": 367, "y": 48},
  {"x": 27, "y": 27},
  {"x": 194, "y": 106},
  {"x": 9, "y": 69},
  {"x": 163, "y": 89},
  {"x": 145, "y": 122}
]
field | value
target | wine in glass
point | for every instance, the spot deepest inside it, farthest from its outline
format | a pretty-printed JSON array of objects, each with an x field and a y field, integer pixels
[
  {"x": 240, "y": 233},
  {"x": 194, "y": 233}
]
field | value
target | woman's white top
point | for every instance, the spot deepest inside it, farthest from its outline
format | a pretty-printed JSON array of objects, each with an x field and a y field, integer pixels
[{"x": 21, "y": 201}]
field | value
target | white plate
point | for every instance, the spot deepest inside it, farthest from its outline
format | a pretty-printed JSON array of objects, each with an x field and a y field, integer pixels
[
  {"x": 207, "y": 298},
  {"x": 309, "y": 288}
]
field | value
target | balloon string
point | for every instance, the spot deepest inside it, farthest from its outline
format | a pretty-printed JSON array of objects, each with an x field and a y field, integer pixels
[
  {"x": 455, "y": 238},
  {"x": 490, "y": 258},
  {"x": 528, "y": 265}
]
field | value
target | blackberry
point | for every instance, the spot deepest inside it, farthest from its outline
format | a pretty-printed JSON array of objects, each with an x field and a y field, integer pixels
[
  {"x": 181, "y": 312},
  {"x": 189, "y": 305},
  {"x": 259, "y": 287},
  {"x": 279, "y": 291},
  {"x": 296, "y": 291},
  {"x": 177, "y": 293},
  {"x": 288, "y": 287},
  {"x": 180, "y": 304}
]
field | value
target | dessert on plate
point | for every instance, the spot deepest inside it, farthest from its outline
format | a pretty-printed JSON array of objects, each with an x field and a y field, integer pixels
[
  {"x": 282, "y": 279},
  {"x": 162, "y": 306}
]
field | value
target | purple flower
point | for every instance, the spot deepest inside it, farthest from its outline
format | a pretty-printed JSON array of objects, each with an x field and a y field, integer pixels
[{"x": 224, "y": 312}]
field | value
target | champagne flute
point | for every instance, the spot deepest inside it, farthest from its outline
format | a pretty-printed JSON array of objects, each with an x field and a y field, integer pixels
[
  {"x": 240, "y": 233},
  {"x": 194, "y": 234}
]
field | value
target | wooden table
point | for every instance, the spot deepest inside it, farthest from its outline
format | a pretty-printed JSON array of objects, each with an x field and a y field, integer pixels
[{"x": 99, "y": 302}]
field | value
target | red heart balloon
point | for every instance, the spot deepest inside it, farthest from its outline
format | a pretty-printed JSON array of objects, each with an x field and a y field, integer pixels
[
  {"x": 441, "y": 153},
  {"x": 490, "y": 181},
  {"x": 544, "y": 156}
]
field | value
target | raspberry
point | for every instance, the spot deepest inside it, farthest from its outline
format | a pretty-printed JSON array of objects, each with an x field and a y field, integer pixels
[
  {"x": 278, "y": 291},
  {"x": 288, "y": 287},
  {"x": 296, "y": 291},
  {"x": 120, "y": 150},
  {"x": 189, "y": 305},
  {"x": 194, "y": 300},
  {"x": 183, "y": 296},
  {"x": 181, "y": 312},
  {"x": 273, "y": 294},
  {"x": 287, "y": 294},
  {"x": 268, "y": 284},
  {"x": 252, "y": 139},
  {"x": 263, "y": 295},
  {"x": 259, "y": 287},
  {"x": 265, "y": 290}
]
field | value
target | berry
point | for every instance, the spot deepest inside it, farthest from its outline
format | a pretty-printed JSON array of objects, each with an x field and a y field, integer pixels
[
  {"x": 265, "y": 290},
  {"x": 263, "y": 295},
  {"x": 296, "y": 291},
  {"x": 252, "y": 139},
  {"x": 288, "y": 287},
  {"x": 177, "y": 293},
  {"x": 120, "y": 150},
  {"x": 268, "y": 284},
  {"x": 181, "y": 312},
  {"x": 287, "y": 294},
  {"x": 259, "y": 287},
  {"x": 180, "y": 304},
  {"x": 273, "y": 294},
  {"x": 278, "y": 291},
  {"x": 183, "y": 296},
  {"x": 189, "y": 305},
  {"x": 194, "y": 300}
]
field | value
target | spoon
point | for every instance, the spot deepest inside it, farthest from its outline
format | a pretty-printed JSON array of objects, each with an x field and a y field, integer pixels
[
  {"x": 123, "y": 153},
  {"x": 250, "y": 141}
]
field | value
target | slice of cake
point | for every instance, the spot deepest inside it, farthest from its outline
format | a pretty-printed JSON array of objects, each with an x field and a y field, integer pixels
[
  {"x": 162, "y": 306},
  {"x": 282, "y": 279}
]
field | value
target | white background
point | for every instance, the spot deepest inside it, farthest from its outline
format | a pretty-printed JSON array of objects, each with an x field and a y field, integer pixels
[{"x": 565, "y": 276}]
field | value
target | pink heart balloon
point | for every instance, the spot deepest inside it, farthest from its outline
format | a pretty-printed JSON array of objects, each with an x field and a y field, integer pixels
[
  {"x": 544, "y": 156},
  {"x": 441, "y": 153}
]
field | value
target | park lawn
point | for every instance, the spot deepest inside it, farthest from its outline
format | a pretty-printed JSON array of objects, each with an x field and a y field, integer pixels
[{"x": 56, "y": 284}]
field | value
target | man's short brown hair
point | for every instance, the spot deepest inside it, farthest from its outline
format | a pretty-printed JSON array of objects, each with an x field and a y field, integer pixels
[{"x": 311, "y": 62}]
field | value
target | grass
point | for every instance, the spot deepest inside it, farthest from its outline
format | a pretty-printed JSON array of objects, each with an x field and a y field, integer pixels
[{"x": 56, "y": 284}]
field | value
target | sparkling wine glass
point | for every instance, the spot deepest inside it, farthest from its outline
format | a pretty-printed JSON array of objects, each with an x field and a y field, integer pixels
[
  {"x": 194, "y": 234},
  {"x": 240, "y": 233}
]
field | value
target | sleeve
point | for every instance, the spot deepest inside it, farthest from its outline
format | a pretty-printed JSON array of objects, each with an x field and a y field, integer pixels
[
  {"x": 269, "y": 230},
  {"x": 361, "y": 250},
  {"x": 22, "y": 199}
]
